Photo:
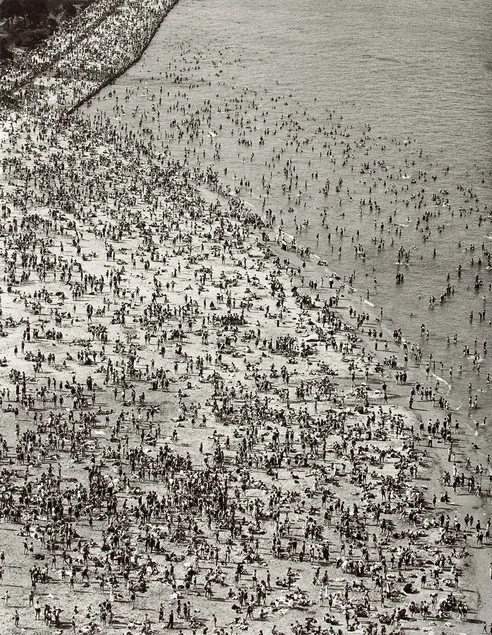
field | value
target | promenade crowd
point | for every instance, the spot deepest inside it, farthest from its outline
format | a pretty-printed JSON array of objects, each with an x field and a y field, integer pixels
[{"x": 82, "y": 54}]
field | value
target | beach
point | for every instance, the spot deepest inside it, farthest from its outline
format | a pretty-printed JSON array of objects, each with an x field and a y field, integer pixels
[{"x": 205, "y": 428}]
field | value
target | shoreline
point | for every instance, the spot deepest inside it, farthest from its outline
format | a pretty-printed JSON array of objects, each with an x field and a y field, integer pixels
[
  {"x": 131, "y": 63},
  {"x": 463, "y": 446},
  {"x": 247, "y": 443}
]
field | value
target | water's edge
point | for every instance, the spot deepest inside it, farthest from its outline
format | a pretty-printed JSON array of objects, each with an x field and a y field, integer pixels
[{"x": 158, "y": 21}]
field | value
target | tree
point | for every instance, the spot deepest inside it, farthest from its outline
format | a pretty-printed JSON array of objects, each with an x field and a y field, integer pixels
[
  {"x": 5, "y": 52},
  {"x": 10, "y": 9},
  {"x": 70, "y": 10},
  {"x": 35, "y": 11}
]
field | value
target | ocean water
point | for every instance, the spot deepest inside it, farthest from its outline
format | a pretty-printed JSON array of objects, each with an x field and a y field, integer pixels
[{"x": 394, "y": 99}]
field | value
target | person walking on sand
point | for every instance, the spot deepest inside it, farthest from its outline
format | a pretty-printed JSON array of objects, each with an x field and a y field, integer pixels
[
  {"x": 16, "y": 618},
  {"x": 170, "y": 621}
]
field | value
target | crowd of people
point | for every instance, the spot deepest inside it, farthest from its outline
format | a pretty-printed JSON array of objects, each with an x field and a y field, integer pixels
[
  {"x": 82, "y": 55},
  {"x": 193, "y": 438}
]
